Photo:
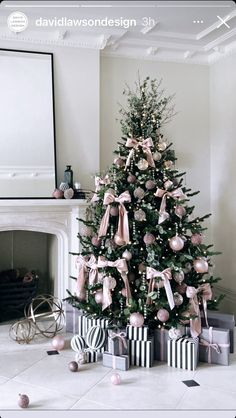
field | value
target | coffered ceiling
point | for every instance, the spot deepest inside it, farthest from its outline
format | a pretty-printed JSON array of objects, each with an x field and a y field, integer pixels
[{"x": 181, "y": 31}]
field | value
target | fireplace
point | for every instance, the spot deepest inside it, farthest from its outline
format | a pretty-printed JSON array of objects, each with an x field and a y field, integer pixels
[{"x": 51, "y": 221}]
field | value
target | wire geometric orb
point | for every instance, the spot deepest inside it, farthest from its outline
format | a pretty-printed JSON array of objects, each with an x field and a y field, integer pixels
[
  {"x": 47, "y": 323},
  {"x": 22, "y": 331}
]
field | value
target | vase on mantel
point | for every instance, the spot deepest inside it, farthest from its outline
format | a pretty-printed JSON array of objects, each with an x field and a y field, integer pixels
[{"x": 68, "y": 176}]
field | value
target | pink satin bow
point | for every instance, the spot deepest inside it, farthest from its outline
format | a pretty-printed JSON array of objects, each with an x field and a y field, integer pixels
[
  {"x": 165, "y": 276},
  {"x": 99, "y": 181},
  {"x": 206, "y": 294},
  {"x": 212, "y": 346},
  {"x": 175, "y": 194},
  {"x": 123, "y": 224},
  {"x": 145, "y": 144},
  {"x": 83, "y": 264},
  {"x": 122, "y": 268}
]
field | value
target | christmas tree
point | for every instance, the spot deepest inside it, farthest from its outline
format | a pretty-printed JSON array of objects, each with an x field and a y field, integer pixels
[{"x": 143, "y": 255}]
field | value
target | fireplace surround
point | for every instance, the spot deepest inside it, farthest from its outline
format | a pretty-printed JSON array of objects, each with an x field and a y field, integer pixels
[{"x": 57, "y": 217}]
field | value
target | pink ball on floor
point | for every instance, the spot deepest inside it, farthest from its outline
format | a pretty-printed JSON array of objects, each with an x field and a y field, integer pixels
[
  {"x": 115, "y": 379},
  {"x": 58, "y": 342}
]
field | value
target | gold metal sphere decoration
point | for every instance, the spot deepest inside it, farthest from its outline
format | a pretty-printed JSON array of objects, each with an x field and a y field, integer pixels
[
  {"x": 49, "y": 322},
  {"x": 23, "y": 331}
]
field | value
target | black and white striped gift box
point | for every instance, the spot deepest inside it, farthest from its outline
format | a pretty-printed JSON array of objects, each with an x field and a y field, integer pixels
[
  {"x": 85, "y": 322},
  {"x": 137, "y": 333},
  {"x": 141, "y": 353},
  {"x": 183, "y": 353}
]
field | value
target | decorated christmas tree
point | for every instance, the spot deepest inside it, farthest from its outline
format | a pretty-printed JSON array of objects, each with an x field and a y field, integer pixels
[{"x": 143, "y": 252}]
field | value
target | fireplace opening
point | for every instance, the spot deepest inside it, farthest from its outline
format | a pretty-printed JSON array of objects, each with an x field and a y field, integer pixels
[{"x": 27, "y": 268}]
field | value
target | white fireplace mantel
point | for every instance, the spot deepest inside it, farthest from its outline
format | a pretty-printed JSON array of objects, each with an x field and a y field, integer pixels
[{"x": 52, "y": 216}]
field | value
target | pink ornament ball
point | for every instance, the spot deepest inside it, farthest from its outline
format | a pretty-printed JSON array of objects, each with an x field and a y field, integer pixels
[
  {"x": 119, "y": 162},
  {"x": 196, "y": 239},
  {"x": 127, "y": 255},
  {"x": 181, "y": 288},
  {"x": 23, "y": 401},
  {"x": 149, "y": 239},
  {"x": 139, "y": 193},
  {"x": 131, "y": 178},
  {"x": 87, "y": 231},
  {"x": 99, "y": 297},
  {"x": 150, "y": 184},
  {"x": 58, "y": 342},
  {"x": 163, "y": 315},
  {"x": 114, "y": 211},
  {"x": 180, "y": 211},
  {"x": 200, "y": 265},
  {"x": 115, "y": 379},
  {"x": 176, "y": 243},
  {"x": 136, "y": 319},
  {"x": 119, "y": 241},
  {"x": 58, "y": 194},
  {"x": 96, "y": 241},
  {"x": 124, "y": 292}
]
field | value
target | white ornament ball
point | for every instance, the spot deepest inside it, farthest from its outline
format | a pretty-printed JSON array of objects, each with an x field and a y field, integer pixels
[
  {"x": 178, "y": 299},
  {"x": 127, "y": 255},
  {"x": 139, "y": 193},
  {"x": 162, "y": 146},
  {"x": 149, "y": 238},
  {"x": 140, "y": 215},
  {"x": 131, "y": 178},
  {"x": 77, "y": 343},
  {"x": 156, "y": 156},
  {"x": 200, "y": 265},
  {"x": 185, "y": 314},
  {"x": 95, "y": 337},
  {"x": 176, "y": 243},
  {"x": 168, "y": 164},
  {"x": 119, "y": 162},
  {"x": 136, "y": 319},
  {"x": 174, "y": 333},
  {"x": 196, "y": 239},
  {"x": 68, "y": 193},
  {"x": 150, "y": 184},
  {"x": 142, "y": 164},
  {"x": 119, "y": 241},
  {"x": 168, "y": 184}
]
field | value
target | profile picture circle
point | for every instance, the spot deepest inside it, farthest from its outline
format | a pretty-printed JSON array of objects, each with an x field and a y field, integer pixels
[{"x": 17, "y": 22}]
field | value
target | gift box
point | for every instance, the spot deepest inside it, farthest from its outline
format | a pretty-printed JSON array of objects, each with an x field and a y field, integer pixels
[
  {"x": 88, "y": 356},
  {"x": 221, "y": 320},
  {"x": 183, "y": 353},
  {"x": 214, "y": 346},
  {"x": 72, "y": 319},
  {"x": 137, "y": 333},
  {"x": 161, "y": 336},
  {"x": 116, "y": 362},
  {"x": 117, "y": 343},
  {"x": 141, "y": 353}
]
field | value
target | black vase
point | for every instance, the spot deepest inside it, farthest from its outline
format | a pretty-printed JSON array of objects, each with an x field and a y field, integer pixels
[{"x": 68, "y": 176}]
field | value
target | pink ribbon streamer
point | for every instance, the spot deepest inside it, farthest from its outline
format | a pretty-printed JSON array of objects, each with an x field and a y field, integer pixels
[
  {"x": 206, "y": 294},
  {"x": 145, "y": 144},
  {"x": 175, "y": 194},
  {"x": 83, "y": 264},
  {"x": 121, "y": 338},
  {"x": 122, "y": 268},
  {"x": 212, "y": 346},
  {"x": 99, "y": 181},
  {"x": 165, "y": 276},
  {"x": 123, "y": 224}
]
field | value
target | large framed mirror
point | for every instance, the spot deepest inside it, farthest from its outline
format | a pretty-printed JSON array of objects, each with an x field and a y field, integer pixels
[{"x": 27, "y": 125}]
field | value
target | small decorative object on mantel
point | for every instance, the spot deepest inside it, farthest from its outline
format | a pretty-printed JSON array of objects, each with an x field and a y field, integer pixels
[
  {"x": 68, "y": 176},
  {"x": 69, "y": 193},
  {"x": 58, "y": 194},
  {"x": 23, "y": 401},
  {"x": 64, "y": 186}
]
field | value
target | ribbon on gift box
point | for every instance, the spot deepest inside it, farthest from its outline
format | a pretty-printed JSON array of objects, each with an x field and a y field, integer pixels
[
  {"x": 212, "y": 346},
  {"x": 165, "y": 276},
  {"x": 122, "y": 268},
  {"x": 175, "y": 194},
  {"x": 145, "y": 144},
  {"x": 206, "y": 294},
  {"x": 121, "y": 336},
  {"x": 99, "y": 181},
  {"x": 83, "y": 263},
  {"x": 123, "y": 223}
]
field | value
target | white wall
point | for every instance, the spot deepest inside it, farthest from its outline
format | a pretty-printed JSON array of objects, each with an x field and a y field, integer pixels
[
  {"x": 189, "y": 130},
  {"x": 223, "y": 168},
  {"x": 76, "y": 75}
]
